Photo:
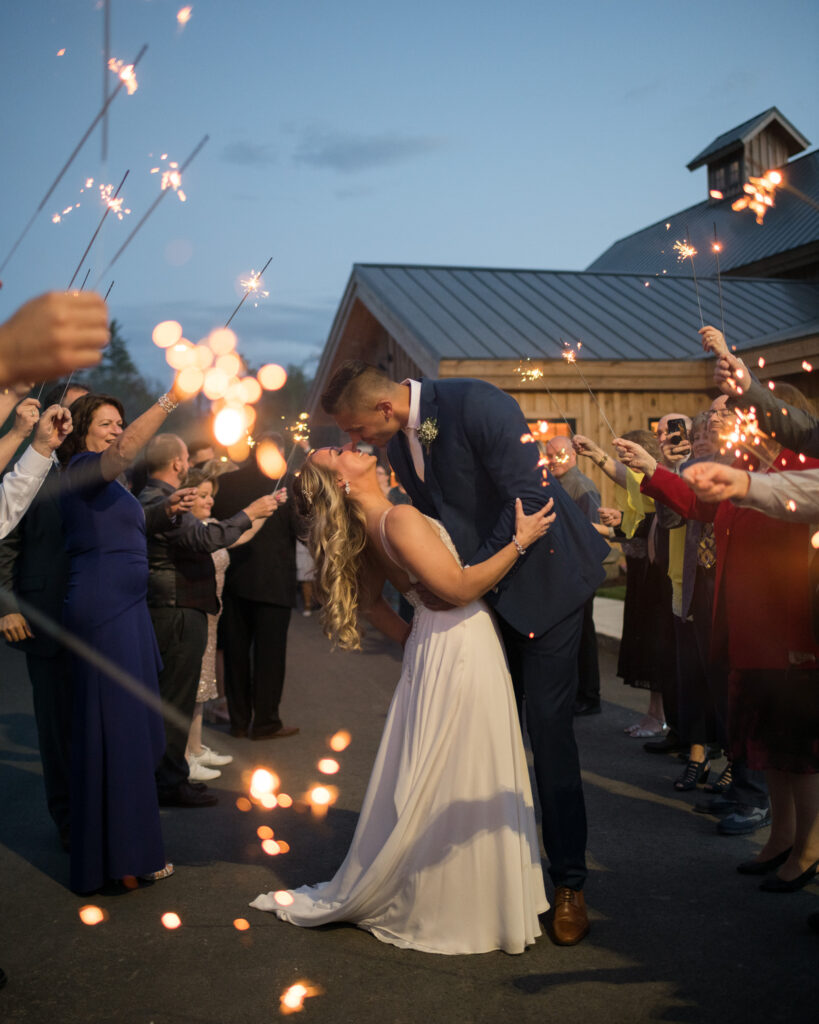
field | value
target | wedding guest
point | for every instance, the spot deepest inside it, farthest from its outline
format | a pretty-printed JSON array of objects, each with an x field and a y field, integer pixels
[
  {"x": 764, "y": 633},
  {"x": 56, "y": 333},
  {"x": 20, "y": 486},
  {"x": 562, "y": 461},
  {"x": 383, "y": 478},
  {"x": 201, "y": 452},
  {"x": 181, "y": 594},
  {"x": 305, "y": 574},
  {"x": 259, "y": 596},
  {"x": 203, "y": 761},
  {"x": 117, "y": 738},
  {"x": 34, "y": 569},
  {"x": 645, "y": 658}
]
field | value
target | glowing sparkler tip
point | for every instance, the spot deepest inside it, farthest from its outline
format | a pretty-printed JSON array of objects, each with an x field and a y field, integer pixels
[
  {"x": 806, "y": 366},
  {"x": 263, "y": 781},
  {"x": 328, "y": 766},
  {"x": 171, "y": 920},
  {"x": 61, "y": 53},
  {"x": 92, "y": 915},
  {"x": 684, "y": 251},
  {"x": 716, "y": 194},
  {"x": 183, "y": 15},
  {"x": 241, "y": 924},
  {"x": 283, "y": 898},
  {"x": 774, "y": 177},
  {"x": 126, "y": 73},
  {"x": 340, "y": 741}
]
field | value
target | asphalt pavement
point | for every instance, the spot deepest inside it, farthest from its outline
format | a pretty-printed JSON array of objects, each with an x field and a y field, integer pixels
[{"x": 677, "y": 935}]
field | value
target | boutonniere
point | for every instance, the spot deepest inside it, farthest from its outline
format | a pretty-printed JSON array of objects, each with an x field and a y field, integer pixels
[{"x": 427, "y": 432}]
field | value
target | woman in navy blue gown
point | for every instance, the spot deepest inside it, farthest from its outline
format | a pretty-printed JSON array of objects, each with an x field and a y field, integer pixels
[{"x": 117, "y": 739}]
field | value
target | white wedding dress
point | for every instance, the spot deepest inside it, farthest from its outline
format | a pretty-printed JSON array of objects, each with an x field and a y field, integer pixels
[{"x": 445, "y": 856}]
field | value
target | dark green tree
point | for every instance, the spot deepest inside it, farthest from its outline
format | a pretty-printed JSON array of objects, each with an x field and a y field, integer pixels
[{"x": 117, "y": 375}]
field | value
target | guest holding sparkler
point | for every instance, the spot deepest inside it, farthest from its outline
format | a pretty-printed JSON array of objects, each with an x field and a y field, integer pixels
[
  {"x": 646, "y": 657},
  {"x": 259, "y": 596},
  {"x": 793, "y": 426},
  {"x": 763, "y": 634},
  {"x": 117, "y": 739},
  {"x": 204, "y": 762}
]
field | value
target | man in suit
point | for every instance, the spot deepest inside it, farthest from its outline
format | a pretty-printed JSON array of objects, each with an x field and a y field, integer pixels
[
  {"x": 34, "y": 568},
  {"x": 258, "y": 598},
  {"x": 460, "y": 449}
]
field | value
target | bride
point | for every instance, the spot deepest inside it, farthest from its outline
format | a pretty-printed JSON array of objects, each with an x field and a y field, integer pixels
[{"x": 445, "y": 856}]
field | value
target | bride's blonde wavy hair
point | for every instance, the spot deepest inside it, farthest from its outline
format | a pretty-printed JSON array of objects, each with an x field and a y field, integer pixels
[{"x": 337, "y": 538}]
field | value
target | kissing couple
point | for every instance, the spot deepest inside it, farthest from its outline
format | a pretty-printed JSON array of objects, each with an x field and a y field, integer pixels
[{"x": 498, "y": 563}]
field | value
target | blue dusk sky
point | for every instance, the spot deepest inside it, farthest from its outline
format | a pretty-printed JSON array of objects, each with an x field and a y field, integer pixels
[{"x": 516, "y": 134}]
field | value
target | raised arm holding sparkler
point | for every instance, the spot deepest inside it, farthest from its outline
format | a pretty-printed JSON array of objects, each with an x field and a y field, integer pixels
[{"x": 53, "y": 334}]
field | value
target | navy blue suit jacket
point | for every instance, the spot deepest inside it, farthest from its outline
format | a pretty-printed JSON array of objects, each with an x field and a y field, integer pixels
[{"x": 474, "y": 470}]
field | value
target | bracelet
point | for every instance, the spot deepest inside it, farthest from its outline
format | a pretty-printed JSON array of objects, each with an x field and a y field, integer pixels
[
  {"x": 167, "y": 403},
  {"x": 602, "y": 462},
  {"x": 521, "y": 551}
]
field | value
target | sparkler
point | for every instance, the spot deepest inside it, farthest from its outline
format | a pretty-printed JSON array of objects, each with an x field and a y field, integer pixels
[
  {"x": 300, "y": 433},
  {"x": 110, "y": 204},
  {"x": 570, "y": 356},
  {"x": 717, "y": 249},
  {"x": 744, "y": 433},
  {"x": 685, "y": 251},
  {"x": 152, "y": 207},
  {"x": 534, "y": 373},
  {"x": 106, "y": 81},
  {"x": 70, "y": 160},
  {"x": 252, "y": 284}
]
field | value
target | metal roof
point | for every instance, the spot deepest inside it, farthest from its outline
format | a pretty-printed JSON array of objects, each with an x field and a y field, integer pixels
[
  {"x": 791, "y": 223},
  {"x": 476, "y": 313},
  {"x": 723, "y": 144}
]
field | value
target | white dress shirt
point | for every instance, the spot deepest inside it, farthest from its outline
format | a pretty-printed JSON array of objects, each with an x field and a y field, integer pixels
[
  {"x": 413, "y": 423},
  {"x": 19, "y": 487}
]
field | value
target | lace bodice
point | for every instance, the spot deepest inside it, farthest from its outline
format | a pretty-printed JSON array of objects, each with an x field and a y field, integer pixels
[{"x": 411, "y": 596}]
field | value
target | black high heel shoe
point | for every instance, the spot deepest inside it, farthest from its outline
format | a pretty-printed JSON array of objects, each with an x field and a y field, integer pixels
[
  {"x": 777, "y": 884},
  {"x": 695, "y": 772},
  {"x": 723, "y": 782},
  {"x": 762, "y": 867}
]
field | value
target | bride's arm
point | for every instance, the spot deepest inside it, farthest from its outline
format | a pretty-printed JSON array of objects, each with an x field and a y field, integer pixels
[{"x": 424, "y": 555}]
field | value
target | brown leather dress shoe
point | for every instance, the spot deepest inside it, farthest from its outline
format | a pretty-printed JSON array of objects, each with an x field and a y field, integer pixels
[
  {"x": 570, "y": 923},
  {"x": 279, "y": 734}
]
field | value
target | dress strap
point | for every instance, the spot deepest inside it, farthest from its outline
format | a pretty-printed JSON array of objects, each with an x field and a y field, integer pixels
[{"x": 387, "y": 547}]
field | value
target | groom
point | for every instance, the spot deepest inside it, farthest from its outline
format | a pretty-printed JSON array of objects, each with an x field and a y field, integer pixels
[{"x": 459, "y": 449}]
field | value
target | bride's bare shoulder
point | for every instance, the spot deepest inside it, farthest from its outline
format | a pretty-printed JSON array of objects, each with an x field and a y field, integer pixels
[{"x": 404, "y": 518}]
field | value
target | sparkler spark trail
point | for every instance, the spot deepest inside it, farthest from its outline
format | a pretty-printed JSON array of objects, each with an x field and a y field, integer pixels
[
  {"x": 250, "y": 285},
  {"x": 108, "y": 208},
  {"x": 570, "y": 356},
  {"x": 151, "y": 209},
  {"x": 69, "y": 161},
  {"x": 528, "y": 373}
]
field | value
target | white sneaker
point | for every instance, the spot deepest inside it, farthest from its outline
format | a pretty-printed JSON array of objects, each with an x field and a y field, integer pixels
[
  {"x": 199, "y": 773},
  {"x": 212, "y": 758}
]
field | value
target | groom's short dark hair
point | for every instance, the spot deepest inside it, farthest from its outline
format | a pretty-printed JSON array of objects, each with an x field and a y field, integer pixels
[{"x": 350, "y": 384}]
